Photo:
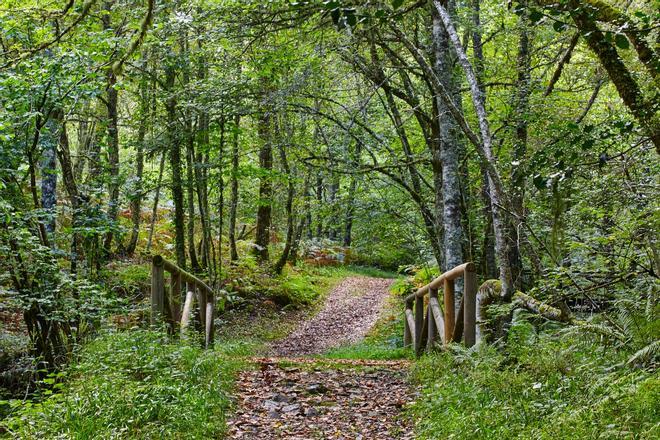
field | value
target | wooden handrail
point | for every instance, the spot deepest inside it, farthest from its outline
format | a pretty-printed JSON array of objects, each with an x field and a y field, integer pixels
[
  {"x": 167, "y": 305},
  {"x": 422, "y": 326},
  {"x": 450, "y": 275}
]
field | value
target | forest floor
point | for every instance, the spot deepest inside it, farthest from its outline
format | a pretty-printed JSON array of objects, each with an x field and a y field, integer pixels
[{"x": 293, "y": 396}]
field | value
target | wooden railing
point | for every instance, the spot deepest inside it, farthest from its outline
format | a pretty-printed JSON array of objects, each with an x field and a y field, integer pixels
[
  {"x": 425, "y": 324},
  {"x": 166, "y": 303}
]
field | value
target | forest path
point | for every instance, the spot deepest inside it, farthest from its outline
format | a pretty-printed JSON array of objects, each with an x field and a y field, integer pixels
[
  {"x": 294, "y": 397},
  {"x": 349, "y": 312}
]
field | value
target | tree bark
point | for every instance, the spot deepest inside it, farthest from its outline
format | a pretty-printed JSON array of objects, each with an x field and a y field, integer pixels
[
  {"x": 449, "y": 144},
  {"x": 290, "y": 218},
  {"x": 175, "y": 164},
  {"x": 262, "y": 232},
  {"x": 233, "y": 207},
  {"x": 111, "y": 103},
  {"x": 497, "y": 194},
  {"x": 49, "y": 176},
  {"x": 69, "y": 180},
  {"x": 136, "y": 196}
]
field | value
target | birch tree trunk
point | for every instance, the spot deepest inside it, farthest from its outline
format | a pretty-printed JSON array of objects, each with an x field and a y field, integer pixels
[
  {"x": 449, "y": 145},
  {"x": 497, "y": 195}
]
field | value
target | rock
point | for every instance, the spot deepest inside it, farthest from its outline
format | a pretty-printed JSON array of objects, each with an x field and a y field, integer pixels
[
  {"x": 279, "y": 397},
  {"x": 271, "y": 405},
  {"x": 291, "y": 408},
  {"x": 311, "y": 412},
  {"x": 274, "y": 414},
  {"x": 317, "y": 388}
]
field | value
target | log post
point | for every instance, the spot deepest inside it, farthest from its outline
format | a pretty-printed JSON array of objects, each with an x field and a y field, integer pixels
[
  {"x": 201, "y": 301},
  {"x": 438, "y": 318},
  {"x": 187, "y": 307},
  {"x": 175, "y": 296},
  {"x": 449, "y": 309},
  {"x": 419, "y": 323},
  {"x": 208, "y": 340},
  {"x": 157, "y": 291},
  {"x": 410, "y": 325},
  {"x": 433, "y": 331},
  {"x": 407, "y": 331},
  {"x": 470, "y": 306}
]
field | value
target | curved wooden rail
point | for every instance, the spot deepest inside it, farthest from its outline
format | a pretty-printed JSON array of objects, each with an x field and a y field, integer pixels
[
  {"x": 167, "y": 305},
  {"x": 423, "y": 325}
]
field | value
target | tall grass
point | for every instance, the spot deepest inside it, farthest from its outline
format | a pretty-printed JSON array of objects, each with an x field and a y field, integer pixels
[{"x": 129, "y": 385}]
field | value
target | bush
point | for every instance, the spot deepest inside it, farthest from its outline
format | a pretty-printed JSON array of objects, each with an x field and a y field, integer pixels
[{"x": 132, "y": 385}]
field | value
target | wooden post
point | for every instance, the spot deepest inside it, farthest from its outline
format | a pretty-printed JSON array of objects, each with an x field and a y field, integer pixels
[
  {"x": 433, "y": 331},
  {"x": 410, "y": 321},
  {"x": 438, "y": 318},
  {"x": 407, "y": 333},
  {"x": 449, "y": 309},
  {"x": 201, "y": 301},
  {"x": 458, "y": 324},
  {"x": 175, "y": 296},
  {"x": 157, "y": 292},
  {"x": 208, "y": 340},
  {"x": 419, "y": 323},
  {"x": 470, "y": 305},
  {"x": 187, "y": 307}
]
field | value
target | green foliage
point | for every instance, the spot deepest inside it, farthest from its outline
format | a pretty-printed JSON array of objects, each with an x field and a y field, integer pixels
[
  {"x": 129, "y": 280},
  {"x": 402, "y": 286},
  {"x": 136, "y": 384},
  {"x": 425, "y": 275},
  {"x": 540, "y": 387}
]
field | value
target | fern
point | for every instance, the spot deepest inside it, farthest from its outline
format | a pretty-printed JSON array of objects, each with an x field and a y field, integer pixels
[
  {"x": 646, "y": 354},
  {"x": 600, "y": 329}
]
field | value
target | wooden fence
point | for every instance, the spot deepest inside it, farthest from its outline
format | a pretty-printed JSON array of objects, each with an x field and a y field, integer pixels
[
  {"x": 166, "y": 303},
  {"x": 429, "y": 320}
]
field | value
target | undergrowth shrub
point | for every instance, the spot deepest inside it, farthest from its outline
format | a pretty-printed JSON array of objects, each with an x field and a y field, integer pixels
[
  {"x": 135, "y": 384},
  {"x": 538, "y": 387}
]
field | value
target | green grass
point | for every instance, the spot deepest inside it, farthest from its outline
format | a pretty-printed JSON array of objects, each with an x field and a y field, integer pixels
[
  {"x": 541, "y": 387},
  {"x": 129, "y": 385}
]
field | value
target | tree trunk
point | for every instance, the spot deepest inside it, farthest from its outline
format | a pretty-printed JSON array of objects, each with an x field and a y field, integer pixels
[
  {"x": 190, "y": 192},
  {"x": 154, "y": 210},
  {"x": 450, "y": 148},
  {"x": 68, "y": 177},
  {"x": 279, "y": 265},
  {"x": 262, "y": 233},
  {"x": 49, "y": 176},
  {"x": 625, "y": 84},
  {"x": 113, "y": 141},
  {"x": 175, "y": 164},
  {"x": 221, "y": 191},
  {"x": 484, "y": 147},
  {"x": 233, "y": 207},
  {"x": 136, "y": 197}
]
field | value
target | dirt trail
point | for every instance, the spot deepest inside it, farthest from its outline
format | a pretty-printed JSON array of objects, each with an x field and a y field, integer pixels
[
  {"x": 302, "y": 398},
  {"x": 350, "y": 310}
]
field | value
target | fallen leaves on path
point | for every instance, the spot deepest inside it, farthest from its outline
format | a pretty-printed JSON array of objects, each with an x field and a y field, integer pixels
[
  {"x": 350, "y": 310},
  {"x": 284, "y": 401},
  {"x": 300, "y": 398}
]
